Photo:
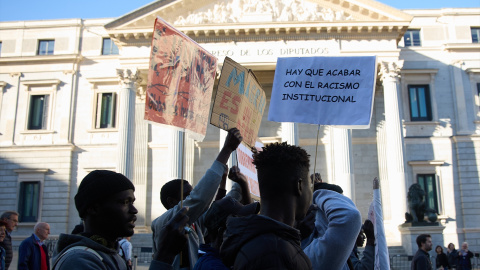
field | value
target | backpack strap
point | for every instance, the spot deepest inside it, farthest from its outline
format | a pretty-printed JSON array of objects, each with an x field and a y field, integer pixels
[{"x": 62, "y": 257}]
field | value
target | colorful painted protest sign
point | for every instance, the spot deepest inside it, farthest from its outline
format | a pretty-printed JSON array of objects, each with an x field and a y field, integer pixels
[
  {"x": 336, "y": 91},
  {"x": 245, "y": 164},
  {"x": 239, "y": 102},
  {"x": 180, "y": 81}
]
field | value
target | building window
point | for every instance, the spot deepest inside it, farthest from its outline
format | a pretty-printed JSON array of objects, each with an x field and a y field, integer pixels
[
  {"x": 478, "y": 92},
  {"x": 30, "y": 186},
  {"x": 429, "y": 185},
  {"x": 106, "y": 110},
  {"x": 412, "y": 38},
  {"x": 45, "y": 47},
  {"x": 0, "y": 48},
  {"x": 38, "y": 112},
  {"x": 475, "y": 34},
  {"x": 28, "y": 201},
  {"x": 420, "y": 108},
  {"x": 109, "y": 47}
]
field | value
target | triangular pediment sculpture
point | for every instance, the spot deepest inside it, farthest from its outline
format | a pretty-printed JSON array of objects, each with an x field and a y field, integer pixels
[{"x": 194, "y": 13}]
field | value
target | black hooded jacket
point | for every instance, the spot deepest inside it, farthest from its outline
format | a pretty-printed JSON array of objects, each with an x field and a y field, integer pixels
[{"x": 259, "y": 242}]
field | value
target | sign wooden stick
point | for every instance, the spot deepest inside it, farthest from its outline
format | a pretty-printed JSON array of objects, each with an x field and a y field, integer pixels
[{"x": 316, "y": 152}]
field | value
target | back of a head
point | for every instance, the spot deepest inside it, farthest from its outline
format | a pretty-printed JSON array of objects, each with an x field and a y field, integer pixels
[
  {"x": 170, "y": 189},
  {"x": 97, "y": 186},
  {"x": 422, "y": 238},
  {"x": 277, "y": 164},
  {"x": 328, "y": 186}
]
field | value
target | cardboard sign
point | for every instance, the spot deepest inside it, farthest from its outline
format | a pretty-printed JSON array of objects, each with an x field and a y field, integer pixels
[
  {"x": 239, "y": 102},
  {"x": 181, "y": 76},
  {"x": 334, "y": 91},
  {"x": 245, "y": 164}
]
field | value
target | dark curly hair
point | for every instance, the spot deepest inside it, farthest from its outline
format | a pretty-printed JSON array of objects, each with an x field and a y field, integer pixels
[
  {"x": 171, "y": 189},
  {"x": 277, "y": 164}
]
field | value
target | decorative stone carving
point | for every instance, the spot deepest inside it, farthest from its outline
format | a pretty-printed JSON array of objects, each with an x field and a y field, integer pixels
[
  {"x": 390, "y": 70},
  {"x": 263, "y": 11},
  {"x": 129, "y": 76}
]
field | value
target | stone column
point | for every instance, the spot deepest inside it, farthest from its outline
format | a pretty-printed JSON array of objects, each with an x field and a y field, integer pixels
[
  {"x": 141, "y": 166},
  {"x": 459, "y": 99},
  {"x": 175, "y": 149},
  {"x": 342, "y": 160},
  {"x": 290, "y": 133},
  {"x": 126, "y": 120},
  {"x": 395, "y": 157}
]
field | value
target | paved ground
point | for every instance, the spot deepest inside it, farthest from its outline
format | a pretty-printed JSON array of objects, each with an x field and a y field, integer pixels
[{"x": 13, "y": 265}]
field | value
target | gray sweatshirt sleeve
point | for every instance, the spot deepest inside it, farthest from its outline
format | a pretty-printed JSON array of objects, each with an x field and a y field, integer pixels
[
  {"x": 198, "y": 201},
  {"x": 338, "y": 222}
]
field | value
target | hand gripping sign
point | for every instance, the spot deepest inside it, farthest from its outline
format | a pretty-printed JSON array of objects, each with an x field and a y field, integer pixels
[
  {"x": 335, "y": 91},
  {"x": 181, "y": 76}
]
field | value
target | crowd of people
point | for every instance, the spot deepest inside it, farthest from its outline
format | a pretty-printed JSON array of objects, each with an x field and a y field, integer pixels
[
  {"x": 301, "y": 223},
  {"x": 454, "y": 259}
]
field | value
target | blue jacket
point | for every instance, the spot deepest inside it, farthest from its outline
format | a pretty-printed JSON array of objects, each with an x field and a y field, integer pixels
[
  {"x": 211, "y": 260},
  {"x": 2, "y": 258},
  {"x": 29, "y": 256}
]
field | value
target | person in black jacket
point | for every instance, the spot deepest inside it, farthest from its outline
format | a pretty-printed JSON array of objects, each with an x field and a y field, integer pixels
[
  {"x": 464, "y": 258},
  {"x": 441, "y": 261},
  {"x": 452, "y": 255},
  {"x": 421, "y": 260},
  {"x": 268, "y": 240}
]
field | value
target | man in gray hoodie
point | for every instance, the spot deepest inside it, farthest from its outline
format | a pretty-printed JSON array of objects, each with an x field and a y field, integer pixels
[{"x": 197, "y": 199}]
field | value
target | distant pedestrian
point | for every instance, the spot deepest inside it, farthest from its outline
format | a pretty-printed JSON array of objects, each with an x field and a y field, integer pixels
[
  {"x": 125, "y": 250},
  {"x": 441, "y": 262},
  {"x": 421, "y": 260},
  {"x": 11, "y": 218},
  {"x": 452, "y": 255},
  {"x": 3, "y": 226},
  {"x": 464, "y": 258},
  {"x": 32, "y": 253}
]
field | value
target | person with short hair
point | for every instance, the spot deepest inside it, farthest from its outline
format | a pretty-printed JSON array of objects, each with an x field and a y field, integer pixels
[
  {"x": 452, "y": 255},
  {"x": 3, "y": 226},
  {"x": 197, "y": 200},
  {"x": 368, "y": 259},
  {"x": 104, "y": 201},
  {"x": 11, "y": 218},
  {"x": 421, "y": 260},
  {"x": 464, "y": 258},
  {"x": 33, "y": 253},
  {"x": 268, "y": 240}
]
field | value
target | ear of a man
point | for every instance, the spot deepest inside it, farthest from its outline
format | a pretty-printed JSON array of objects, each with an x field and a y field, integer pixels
[{"x": 299, "y": 187}]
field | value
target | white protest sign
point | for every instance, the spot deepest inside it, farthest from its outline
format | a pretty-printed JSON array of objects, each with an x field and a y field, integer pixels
[
  {"x": 245, "y": 164},
  {"x": 375, "y": 215},
  {"x": 335, "y": 91}
]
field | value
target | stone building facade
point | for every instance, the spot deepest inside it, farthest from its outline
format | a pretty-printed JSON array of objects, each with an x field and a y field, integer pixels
[{"x": 73, "y": 91}]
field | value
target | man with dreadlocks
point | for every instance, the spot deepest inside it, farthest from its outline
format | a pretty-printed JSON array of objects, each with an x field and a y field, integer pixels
[{"x": 268, "y": 240}]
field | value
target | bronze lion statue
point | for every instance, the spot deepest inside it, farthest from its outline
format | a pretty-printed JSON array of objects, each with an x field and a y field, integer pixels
[{"x": 416, "y": 206}]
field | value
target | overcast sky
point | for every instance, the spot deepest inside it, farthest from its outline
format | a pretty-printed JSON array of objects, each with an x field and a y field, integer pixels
[{"x": 23, "y": 10}]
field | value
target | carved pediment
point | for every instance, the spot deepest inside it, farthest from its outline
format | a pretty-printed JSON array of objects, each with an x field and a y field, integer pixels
[
  {"x": 205, "y": 19},
  {"x": 194, "y": 12},
  {"x": 250, "y": 11}
]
